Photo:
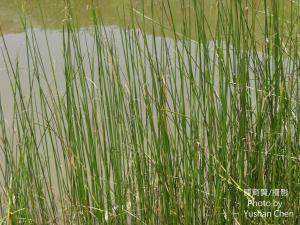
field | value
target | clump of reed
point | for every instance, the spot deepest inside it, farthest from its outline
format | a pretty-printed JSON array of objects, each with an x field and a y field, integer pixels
[{"x": 171, "y": 128}]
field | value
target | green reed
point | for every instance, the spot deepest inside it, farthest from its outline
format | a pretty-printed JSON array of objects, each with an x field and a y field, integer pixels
[{"x": 171, "y": 128}]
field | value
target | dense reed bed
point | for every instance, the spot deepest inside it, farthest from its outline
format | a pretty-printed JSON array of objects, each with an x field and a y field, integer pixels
[{"x": 181, "y": 125}]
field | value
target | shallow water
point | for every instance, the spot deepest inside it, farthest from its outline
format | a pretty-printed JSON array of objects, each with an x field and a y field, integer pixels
[
  {"x": 55, "y": 12},
  {"x": 54, "y": 16}
]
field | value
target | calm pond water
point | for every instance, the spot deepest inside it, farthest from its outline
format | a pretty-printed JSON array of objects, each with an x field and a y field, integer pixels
[
  {"x": 51, "y": 15},
  {"x": 112, "y": 13}
]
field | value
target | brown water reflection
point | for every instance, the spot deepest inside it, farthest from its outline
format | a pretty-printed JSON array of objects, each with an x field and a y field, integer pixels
[{"x": 54, "y": 12}]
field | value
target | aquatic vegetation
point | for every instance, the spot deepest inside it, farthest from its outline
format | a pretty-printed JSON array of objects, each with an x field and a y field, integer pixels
[{"x": 154, "y": 122}]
